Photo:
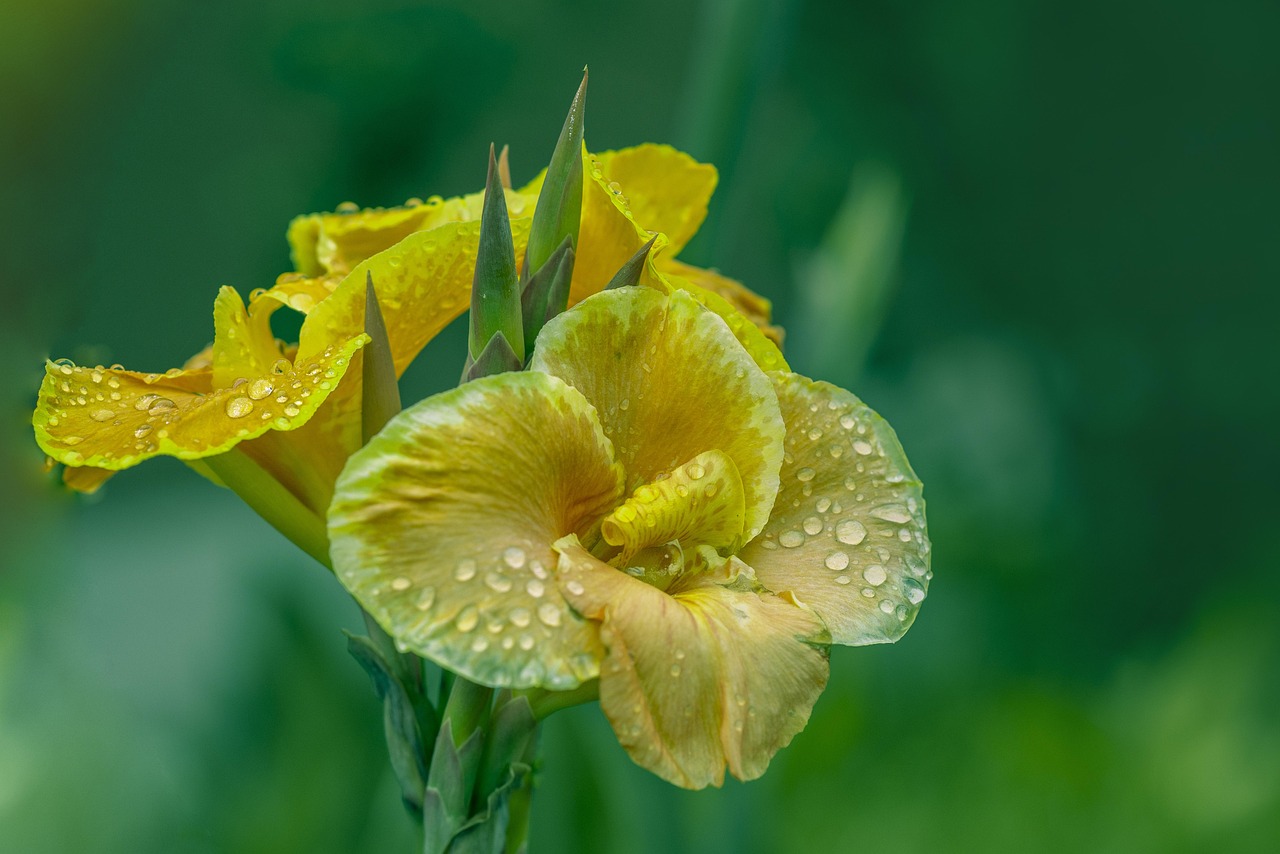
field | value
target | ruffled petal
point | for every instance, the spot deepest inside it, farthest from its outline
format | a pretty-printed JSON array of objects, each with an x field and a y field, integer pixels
[
  {"x": 700, "y": 503},
  {"x": 442, "y": 527},
  {"x": 666, "y": 189},
  {"x": 114, "y": 419},
  {"x": 847, "y": 535},
  {"x": 670, "y": 382},
  {"x": 707, "y": 677},
  {"x": 744, "y": 301},
  {"x": 243, "y": 344}
]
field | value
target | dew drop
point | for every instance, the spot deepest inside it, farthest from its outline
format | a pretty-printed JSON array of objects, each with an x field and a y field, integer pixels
[
  {"x": 847, "y": 422},
  {"x": 426, "y": 599},
  {"x": 851, "y": 532},
  {"x": 813, "y": 526},
  {"x": 914, "y": 590},
  {"x": 526, "y": 642},
  {"x": 465, "y": 571},
  {"x": 850, "y": 484},
  {"x": 468, "y": 619},
  {"x": 260, "y": 388},
  {"x": 862, "y": 446},
  {"x": 823, "y": 505},
  {"x": 291, "y": 410},
  {"x": 102, "y": 415},
  {"x": 791, "y": 539},
  {"x": 479, "y": 645},
  {"x": 675, "y": 670},
  {"x": 513, "y": 557},
  {"x": 401, "y": 583},
  {"x": 575, "y": 587},
  {"x": 520, "y": 617},
  {"x": 497, "y": 582},
  {"x": 875, "y": 575},
  {"x": 144, "y": 402},
  {"x": 886, "y": 606},
  {"x": 837, "y": 561},
  {"x": 695, "y": 471},
  {"x": 239, "y": 407},
  {"x": 892, "y": 513},
  {"x": 805, "y": 474},
  {"x": 535, "y": 588},
  {"x": 842, "y": 579},
  {"x": 549, "y": 614}
]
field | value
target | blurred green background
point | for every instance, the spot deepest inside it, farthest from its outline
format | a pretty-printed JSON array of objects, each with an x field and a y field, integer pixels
[{"x": 1039, "y": 237}]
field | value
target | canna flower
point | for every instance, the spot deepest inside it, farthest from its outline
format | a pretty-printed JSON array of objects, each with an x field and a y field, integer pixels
[
  {"x": 647, "y": 507},
  {"x": 249, "y": 409}
]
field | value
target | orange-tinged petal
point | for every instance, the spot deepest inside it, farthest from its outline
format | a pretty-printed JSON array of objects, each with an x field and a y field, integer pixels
[
  {"x": 666, "y": 189},
  {"x": 114, "y": 419},
  {"x": 423, "y": 283},
  {"x": 707, "y": 677},
  {"x": 700, "y": 503},
  {"x": 744, "y": 301},
  {"x": 847, "y": 535},
  {"x": 86, "y": 479},
  {"x": 670, "y": 382},
  {"x": 442, "y": 527}
]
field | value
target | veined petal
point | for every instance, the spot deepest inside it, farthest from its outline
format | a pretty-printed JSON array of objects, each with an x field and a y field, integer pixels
[
  {"x": 745, "y": 301},
  {"x": 670, "y": 382},
  {"x": 700, "y": 503},
  {"x": 706, "y": 677},
  {"x": 847, "y": 535},
  {"x": 423, "y": 283},
  {"x": 442, "y": 527},
  {"x": 336, "y": 242},
  {"x": 667, "y": 190},
  {"x": 114, "y": 419}
]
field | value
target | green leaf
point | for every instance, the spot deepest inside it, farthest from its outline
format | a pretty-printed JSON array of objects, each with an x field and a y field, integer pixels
[
  {"x": 380, "y": 394},
  {"x": 510, "y": 730},
  {"x": 498, "y": 357},
  {"x": 495, "y": 294},
  {"x": 446, "y": 804},
  {"x": 547, "y": 293},
  {"x": 559, "y": 210},
  {"x": 628, "y": 274},
  {"x": 404, "y": 741}
]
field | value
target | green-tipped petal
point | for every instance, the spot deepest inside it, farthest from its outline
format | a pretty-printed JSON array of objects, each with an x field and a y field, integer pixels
[
  {"x": 379, "y": 392},
  {"x": 495, "y": 293},
  {"x": 546, "y": 294},
  {"x": 848, "y": 536},
  {"x": 442, "y": 528},
  {"x": 559, "y": 209}
]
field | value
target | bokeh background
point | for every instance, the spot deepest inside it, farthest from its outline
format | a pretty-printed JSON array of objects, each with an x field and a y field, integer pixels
[{"x": 1038, "y": 235}]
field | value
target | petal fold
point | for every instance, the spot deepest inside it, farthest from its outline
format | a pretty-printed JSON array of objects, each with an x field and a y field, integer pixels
[
  {"x": 670, "y": 382},
  {"x": 442, "y": 527},
  {"x": 847, "y": 536},
  {"x": 708, "y": 677}
]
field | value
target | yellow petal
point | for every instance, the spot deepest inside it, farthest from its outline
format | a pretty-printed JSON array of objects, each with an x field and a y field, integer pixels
[
  {"x": 86, "y": 479},
  {"x": 336, "y": 242},
  {"x": 442, "y": 527},
  {"x": 423, "y": 283},
  {"x": 746, "y": 302},
  {"x": 666, "y": 190},
  {"x": 847, "y": 535},
  {"x": 243, "y": 345},
  {"x": 763, "y": 349},
  {"x": 700, "y": 503},
  {"x": 114, "y": 419},
  {"x": 706, "y": 677},
  {"x": 670, "y": 382}
]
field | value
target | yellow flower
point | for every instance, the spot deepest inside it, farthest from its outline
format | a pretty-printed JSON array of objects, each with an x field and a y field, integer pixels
[
  {"x": 293, "y": 412},
  {"x": 647, "y": 507}
]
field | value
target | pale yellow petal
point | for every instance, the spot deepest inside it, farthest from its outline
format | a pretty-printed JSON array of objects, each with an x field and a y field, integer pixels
[
  {"x": 707, "y": 677},
  {"x": 243, "y": 344},
  {"x": 847, "y": 535},
  {"x": 744, "y": 301},
  {"x": 442, "y": 527},
  {"x": 670, "y": 382}
]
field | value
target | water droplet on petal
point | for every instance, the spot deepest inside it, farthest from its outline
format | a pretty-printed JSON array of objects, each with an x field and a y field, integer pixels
[
  {"x": 851, "y": 532},
  {"x": 520, "y": 617},
  {"x": 102, "y": 415},
  {"x": 837, "y": 561},
  {"x": 575, "y": 587},
  {"x": 497, "y": 582},
  {"x": 401, "y": 583},
  {"x": 695, "y": 471},
  {"x": 914, "y": 590},
  {"x": 535, "y": 588},
  {"x": 813, "y": 526},
  {"x": 805, "y": 474},
  {"x": 862, "y": 446},
  {"x": 426, "y": 599},
  {"x": 513, "y": 557},
  {"x": 239, "y": 407},
  {"x": 875, "y": 575},
  {"x": 465, "y": 571},
  {"x": 468, "y": 619},
  {"x": 791, "y": 539},
  {"x": 549, "y": 614},
  {"x": 892, "y": 513},
  {"x": 260, "y": 388}
]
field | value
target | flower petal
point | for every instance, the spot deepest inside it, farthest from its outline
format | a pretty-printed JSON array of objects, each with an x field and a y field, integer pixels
[
  {"x": 745, "y": 301},
  {"x": 670, "y": 382},
  {"x": 243, "y": 344},
  {"x": 336, "y": 242},
  {"x": 442, "y": 527},
  {"x": 706, "y": 677},
  {"x": 666, "y": 189},
  {"x": 754, "y": 338},
  {"x": 114, "y": 419},
  {"x": 847, "y": 534},
  {"x": 423, "y": 283},
  {"x": 700, "y": 503}
]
